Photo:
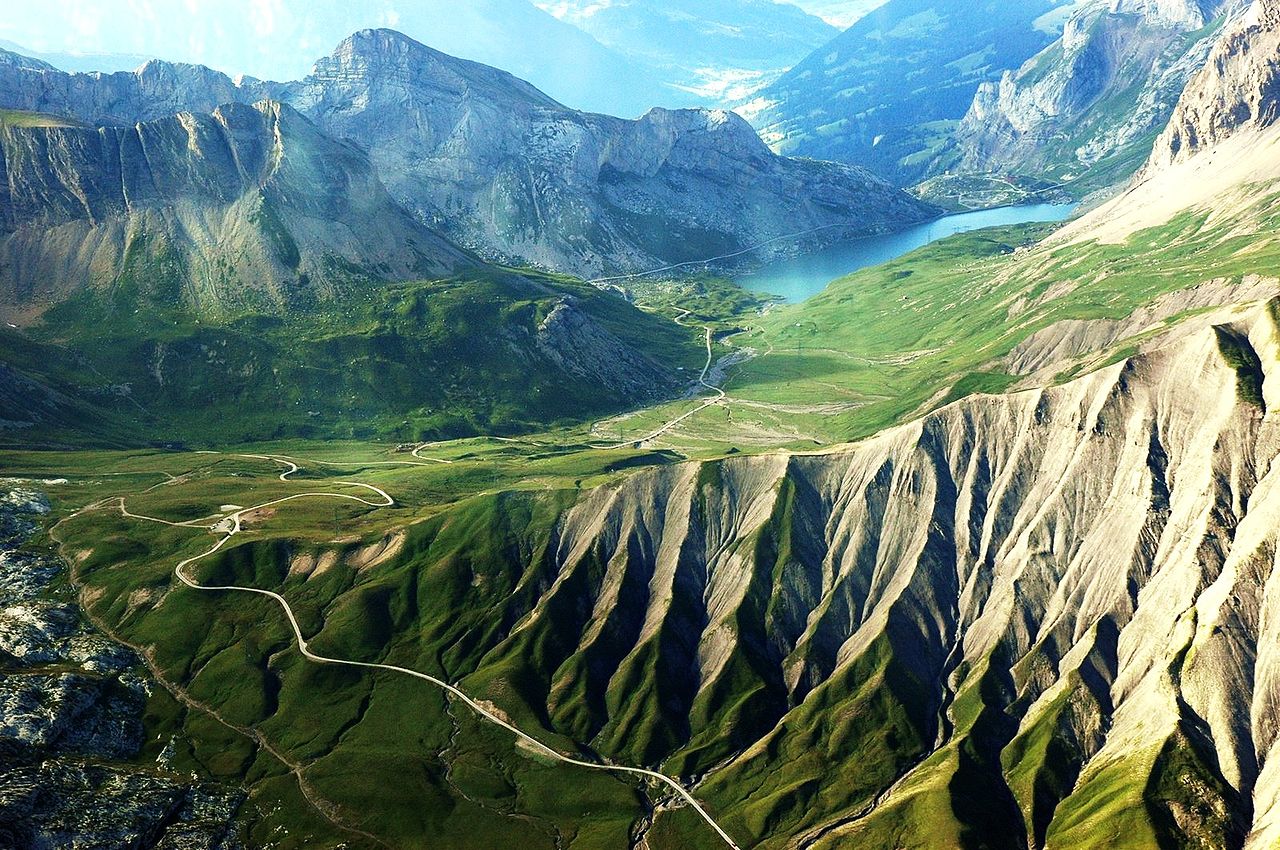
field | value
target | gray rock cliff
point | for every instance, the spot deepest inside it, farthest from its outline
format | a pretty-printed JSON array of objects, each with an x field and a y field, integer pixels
[
  {"x": 1084, "y": 110},
  {"x": 243, "y": 205},
  {"x": 1237, "y": 90}
]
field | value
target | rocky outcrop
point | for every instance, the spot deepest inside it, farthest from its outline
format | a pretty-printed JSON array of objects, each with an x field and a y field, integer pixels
[
  {"x": 1083, "y": 110},
  {"x": 1237, "y": 90},
  {"x": 71, "y": 710},
  {"x": 573, "y": 341}
]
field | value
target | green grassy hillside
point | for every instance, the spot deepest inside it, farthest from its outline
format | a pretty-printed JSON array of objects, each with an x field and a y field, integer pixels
[
  {"x": 467, "y": 576},
  {"x": 901, "y": 339},
  {"x": 405, "y": 362},
  {"x": 22, "y": 118}
]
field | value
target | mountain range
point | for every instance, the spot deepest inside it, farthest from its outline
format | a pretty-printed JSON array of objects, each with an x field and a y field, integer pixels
[
  {"x": 973, "y": 549},
  {"x": 619, "y": 58},
  {"x": 587, "y": 195},
  {"x": 505, "y": 170},
  {"x": 880, "y": 94},
  {"x": 153, "y": 214}
]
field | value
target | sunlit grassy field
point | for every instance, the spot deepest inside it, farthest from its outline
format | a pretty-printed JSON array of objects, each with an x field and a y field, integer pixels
[
  {"x": 895, "y": 341},
  {"x": 377, "y": 752}
]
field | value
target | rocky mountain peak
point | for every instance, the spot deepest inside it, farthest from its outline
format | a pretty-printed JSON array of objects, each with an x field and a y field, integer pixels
[
  {"x": 722, "y": 128},
  {"x": 392, "y": 61},
  {"x": 371, "y": 50},
  {"x": 161, "y": 80},
  {"x": 1237, "y": 90},
  {"x": 501, "y": 167}
]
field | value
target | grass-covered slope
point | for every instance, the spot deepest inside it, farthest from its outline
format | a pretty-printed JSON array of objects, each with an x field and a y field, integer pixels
[
  {"x": 965, "y": 315},
  {"x": 962, "y": 632},
  {"x": 492, "y": 352},
  {"x": 832, "y": 650}
]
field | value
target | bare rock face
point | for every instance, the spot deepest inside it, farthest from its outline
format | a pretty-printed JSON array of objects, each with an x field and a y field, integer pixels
[
  {"x": 501, "y": 168},
  {"x": 1188, "y": 14},
  {"x": 156, "y": 90},
  {"x": 239, "y": 206},
  {"x": 1238, "y": 89},
  {"x": 10, "y": 59},
  {"x": 1090, "y": 100}
]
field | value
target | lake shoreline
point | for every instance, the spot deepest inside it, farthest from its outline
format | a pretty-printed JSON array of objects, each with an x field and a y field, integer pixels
[{"x": 797, "y": 278}]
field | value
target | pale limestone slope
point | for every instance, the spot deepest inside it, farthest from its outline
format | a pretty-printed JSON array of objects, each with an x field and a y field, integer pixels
[{"x": 1109, "y": 542}]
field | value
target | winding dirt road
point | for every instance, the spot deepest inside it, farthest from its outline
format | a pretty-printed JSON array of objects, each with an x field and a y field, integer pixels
[
  {"x": 230, "y": 525},
  {"x": 720, "y": 396}
]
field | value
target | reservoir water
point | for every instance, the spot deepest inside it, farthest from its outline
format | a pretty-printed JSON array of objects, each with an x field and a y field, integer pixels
[{"x": 798, "y": 278}]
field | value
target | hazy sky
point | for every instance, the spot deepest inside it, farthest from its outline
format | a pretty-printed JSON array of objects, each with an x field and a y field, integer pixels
[
  {"x": 265, "y": 38},
  {"x": 274, "y": 39}
]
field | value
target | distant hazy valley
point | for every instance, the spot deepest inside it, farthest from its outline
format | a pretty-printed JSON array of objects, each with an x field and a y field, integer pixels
[{"x": 405, "y": 451}]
